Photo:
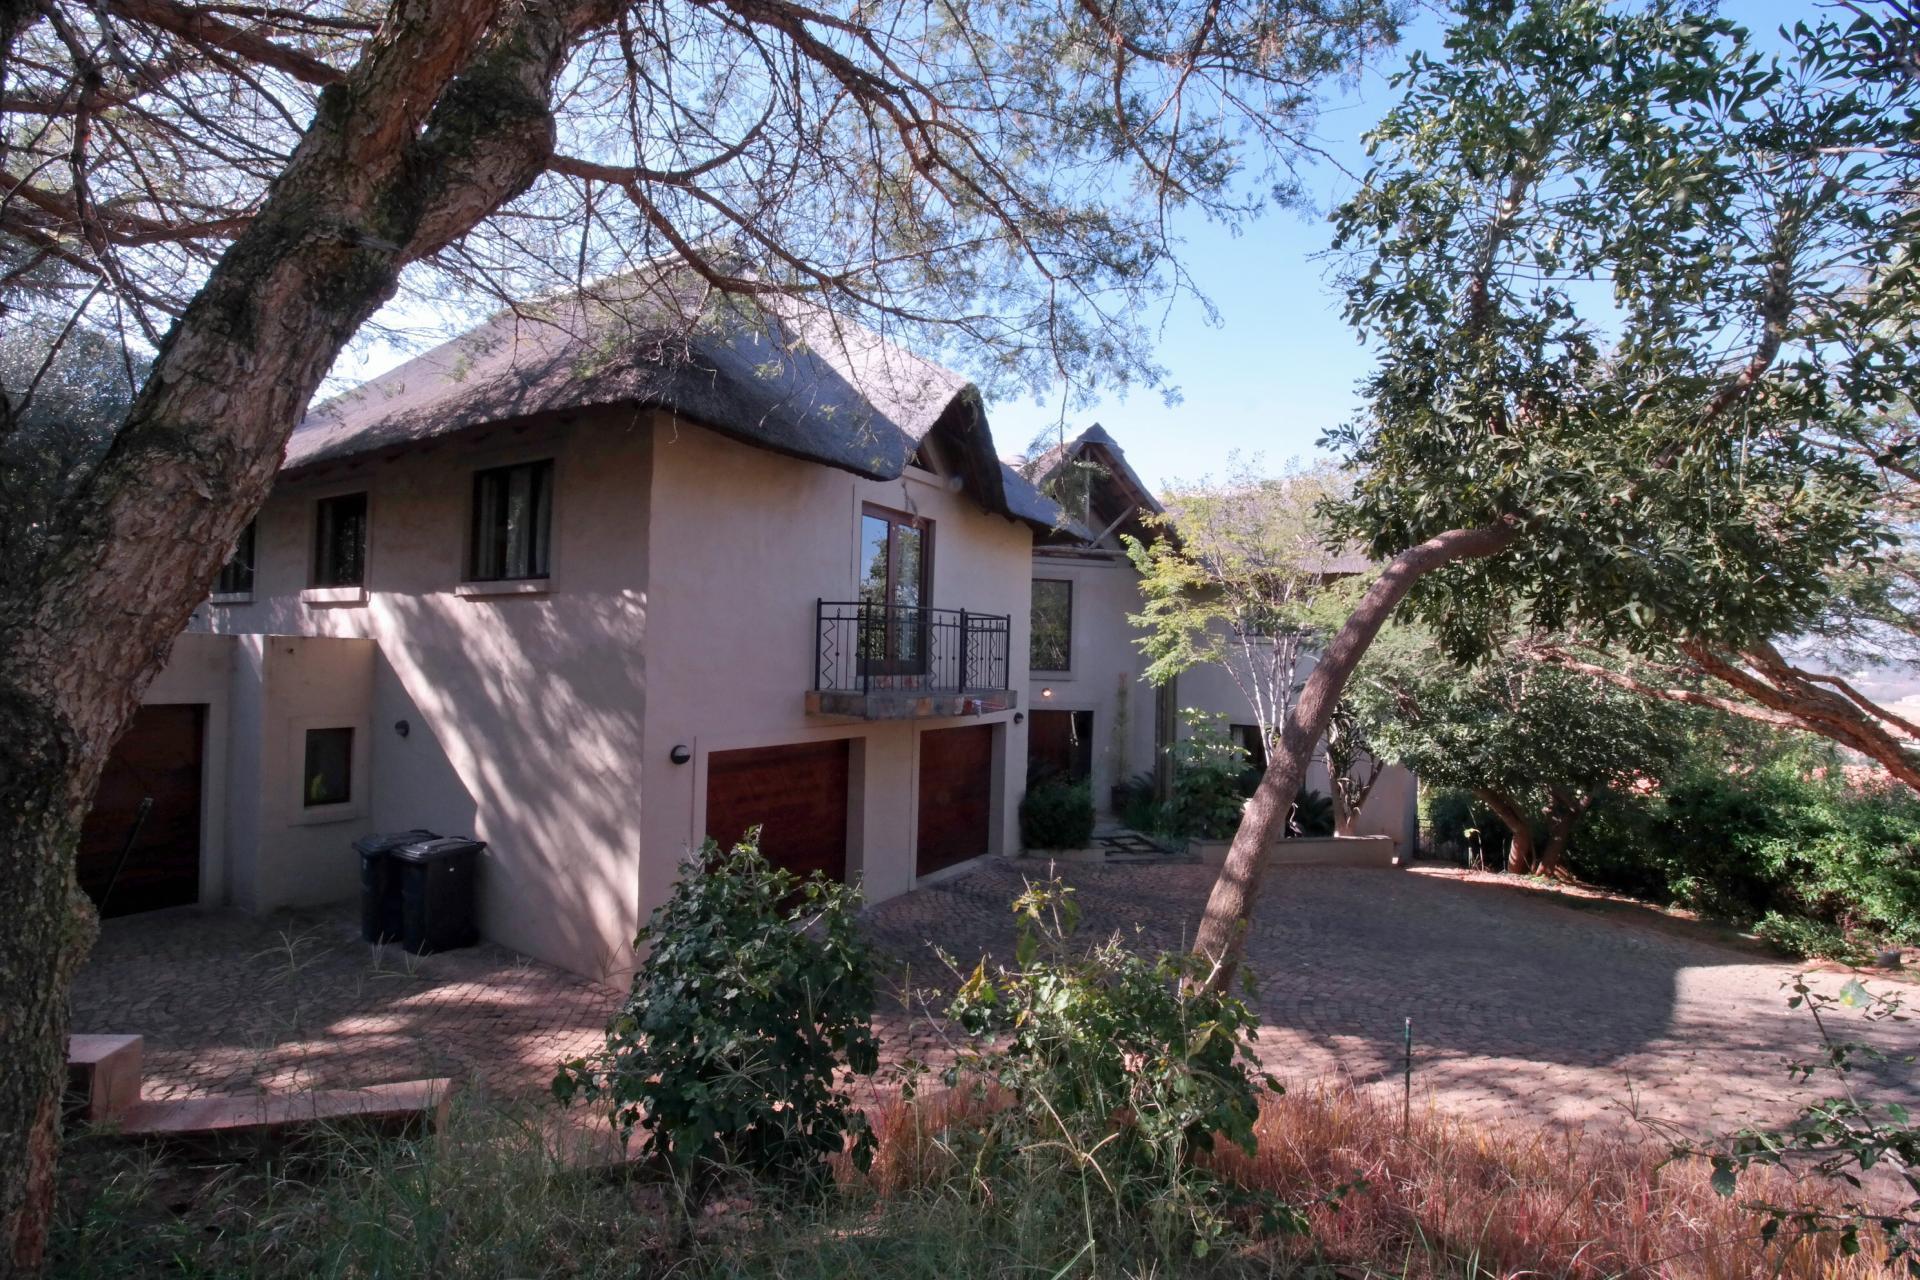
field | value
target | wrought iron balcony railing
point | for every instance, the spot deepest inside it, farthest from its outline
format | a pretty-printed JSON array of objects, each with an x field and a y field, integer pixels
[{"x": 863, "y": 647}]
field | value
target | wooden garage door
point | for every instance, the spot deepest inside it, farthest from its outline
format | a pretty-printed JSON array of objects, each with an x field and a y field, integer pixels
[
  {"x": 796, "y": 794},
  {"x": 158, "y": 757},
  {"x": 956, "y": 796}
]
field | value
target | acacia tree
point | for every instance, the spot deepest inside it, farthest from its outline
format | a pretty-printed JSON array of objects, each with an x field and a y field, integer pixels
[
  {"x": 1535, "y": 744},
  {"x": 1236, "y": 580},
  {"x": 233, "y": 190},
  {"x": 1626, "y": 274},
  {"x": 1869, "y": 621}
]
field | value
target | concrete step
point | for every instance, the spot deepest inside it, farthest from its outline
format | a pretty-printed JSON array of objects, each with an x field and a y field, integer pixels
[
  {"x": 403, "y": 1105},
  {"x": 103, "y": 1075}
]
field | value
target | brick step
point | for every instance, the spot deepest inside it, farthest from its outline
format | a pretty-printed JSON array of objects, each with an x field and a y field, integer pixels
[
  {"x": 103, "y": 1076},
  {"x": 103, "y": 1087},
  {"x": 404, "y": 1104}
]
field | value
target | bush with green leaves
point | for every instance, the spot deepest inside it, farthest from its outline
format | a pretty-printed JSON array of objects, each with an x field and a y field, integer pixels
[
  {"x": 1209, "y": 779},
  {"x": 1119, "y": 1067},
  {"x": 1057, "y": 814},
  {"x": 755, "y": 990},
  {"x": 1781, "y": 833}
]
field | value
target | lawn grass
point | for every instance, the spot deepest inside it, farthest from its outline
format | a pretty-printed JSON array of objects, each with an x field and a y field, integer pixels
[{"x": 491, "y": 1198}]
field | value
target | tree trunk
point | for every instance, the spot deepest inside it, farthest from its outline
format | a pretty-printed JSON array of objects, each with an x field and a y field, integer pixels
[
  {"x": 1350, "y": 797},
  {"x": 1222, "y": 935},
  {"x": 1520, "y": 857},
  {"x": 446, "y": 117},
  {"x": 49, "y": 926},
  {"x": 1563, "y": 815}
]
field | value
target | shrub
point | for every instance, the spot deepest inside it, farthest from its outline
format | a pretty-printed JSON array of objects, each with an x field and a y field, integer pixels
[
  {"x": 1209, "y": 769},
  {"x": 756, "y": 987},
  {"x": 1117, "y": 1067},
  {"x": 1057, "y": 814},
  {"x": 1829, "y": 867},
  {"x": 1312, "y": 814}
]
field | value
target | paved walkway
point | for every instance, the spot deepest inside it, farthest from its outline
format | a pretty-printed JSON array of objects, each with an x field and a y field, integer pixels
[
  {"x": 232, "y": 1004},
  {"x": 1522, "y": 1003}
]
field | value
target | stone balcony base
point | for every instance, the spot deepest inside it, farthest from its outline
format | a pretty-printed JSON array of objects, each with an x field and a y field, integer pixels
[{"x": 909, "y": 704}]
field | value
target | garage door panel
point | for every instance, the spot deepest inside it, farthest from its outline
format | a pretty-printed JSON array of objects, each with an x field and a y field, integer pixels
[
  {"x": 956, "y": 797},
  {"x": 159, "y": 757},
  {"x": 796, "y": 794}
]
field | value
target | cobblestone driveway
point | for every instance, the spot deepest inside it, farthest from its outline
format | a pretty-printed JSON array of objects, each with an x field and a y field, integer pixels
[
  {"x": 1521, "y": 1003},
  {"x": 232, "y": 1004}
]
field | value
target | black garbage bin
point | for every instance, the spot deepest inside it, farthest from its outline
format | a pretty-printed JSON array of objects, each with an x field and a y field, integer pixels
[
  {"x": 379, "y": 890},
  {"x": 436, "y": 893}
]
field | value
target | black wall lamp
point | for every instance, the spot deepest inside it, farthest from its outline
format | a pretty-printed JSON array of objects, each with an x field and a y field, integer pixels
[
  {"x": 680, "y": 754},
  {"x": 1019, "y": 717}
]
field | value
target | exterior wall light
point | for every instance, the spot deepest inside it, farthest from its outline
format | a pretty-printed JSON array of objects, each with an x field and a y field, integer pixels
[
  {"x": 1047, "y": 692},
  {"x": 680, "y": 754},
  {"x": 1019, "y": 717}
]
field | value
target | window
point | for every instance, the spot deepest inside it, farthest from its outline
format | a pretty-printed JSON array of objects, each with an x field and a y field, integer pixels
[
  {"x": 236, "y": 575},
  {"x": 1249, "y": 737},
  {"x": 896, "y": 556},
  {"x": 1052, "y": 639},
  {"x": 340, "y": 541},
  {"x": 328, "y": 775},
  {"x": 512, "y": 523}
]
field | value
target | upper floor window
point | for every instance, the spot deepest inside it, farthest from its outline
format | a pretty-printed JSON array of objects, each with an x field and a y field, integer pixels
[
  {"x": 340, "y": 541},
  {"x": 896, "y": 560},
  {"x": 236, "y": 575},
  {"x": 1052, "y": 630},
  {"x": 512, "y": 522}
]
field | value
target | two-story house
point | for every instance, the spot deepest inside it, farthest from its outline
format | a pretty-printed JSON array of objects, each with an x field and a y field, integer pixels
[{"x": 590, "y": 586}]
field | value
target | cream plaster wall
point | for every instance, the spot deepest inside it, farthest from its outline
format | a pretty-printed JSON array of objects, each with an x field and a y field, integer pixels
[
  {"x": 744, "y": 543},
  {"x": 1105, "y": 676},
  {"x": 524, "y": 711}
]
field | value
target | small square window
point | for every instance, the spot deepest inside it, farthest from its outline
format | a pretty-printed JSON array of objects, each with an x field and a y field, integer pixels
[
  {"x": 236, "y": 575},
  {"x": 340, "y": 541},
  {"x": 328, "y": 775},
  {"x": 1052, "y": 633},
  {"x": 512, "y": 523}
]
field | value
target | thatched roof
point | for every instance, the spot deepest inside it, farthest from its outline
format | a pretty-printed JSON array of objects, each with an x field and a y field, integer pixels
[
  {"x": 1117, "y": 497},
  {"x": 790, "y": 378}
]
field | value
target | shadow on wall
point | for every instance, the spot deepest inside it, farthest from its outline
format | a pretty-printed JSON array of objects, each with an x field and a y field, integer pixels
[{"x": 525, "y": 719}]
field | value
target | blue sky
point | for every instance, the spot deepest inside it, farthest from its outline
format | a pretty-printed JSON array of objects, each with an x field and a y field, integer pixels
[{"x": 1281, "y": 366}]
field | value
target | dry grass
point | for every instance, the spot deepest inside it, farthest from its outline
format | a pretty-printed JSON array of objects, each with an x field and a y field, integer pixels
[
  {"x": 1516, "y": 1200},
  {"x": 1452, "y": 1199}
]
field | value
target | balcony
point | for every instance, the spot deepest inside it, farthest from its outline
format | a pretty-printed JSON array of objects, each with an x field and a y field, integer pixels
[{"x": 903, "y": 662}]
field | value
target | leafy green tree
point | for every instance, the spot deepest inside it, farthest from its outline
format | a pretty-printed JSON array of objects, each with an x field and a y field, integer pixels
[
  {"x": 1236, "y": 580},
  {"x": 1626, "y": 273},
  {"x": 232, "y": 191},
  {"x": 1536, "y": 745}
]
